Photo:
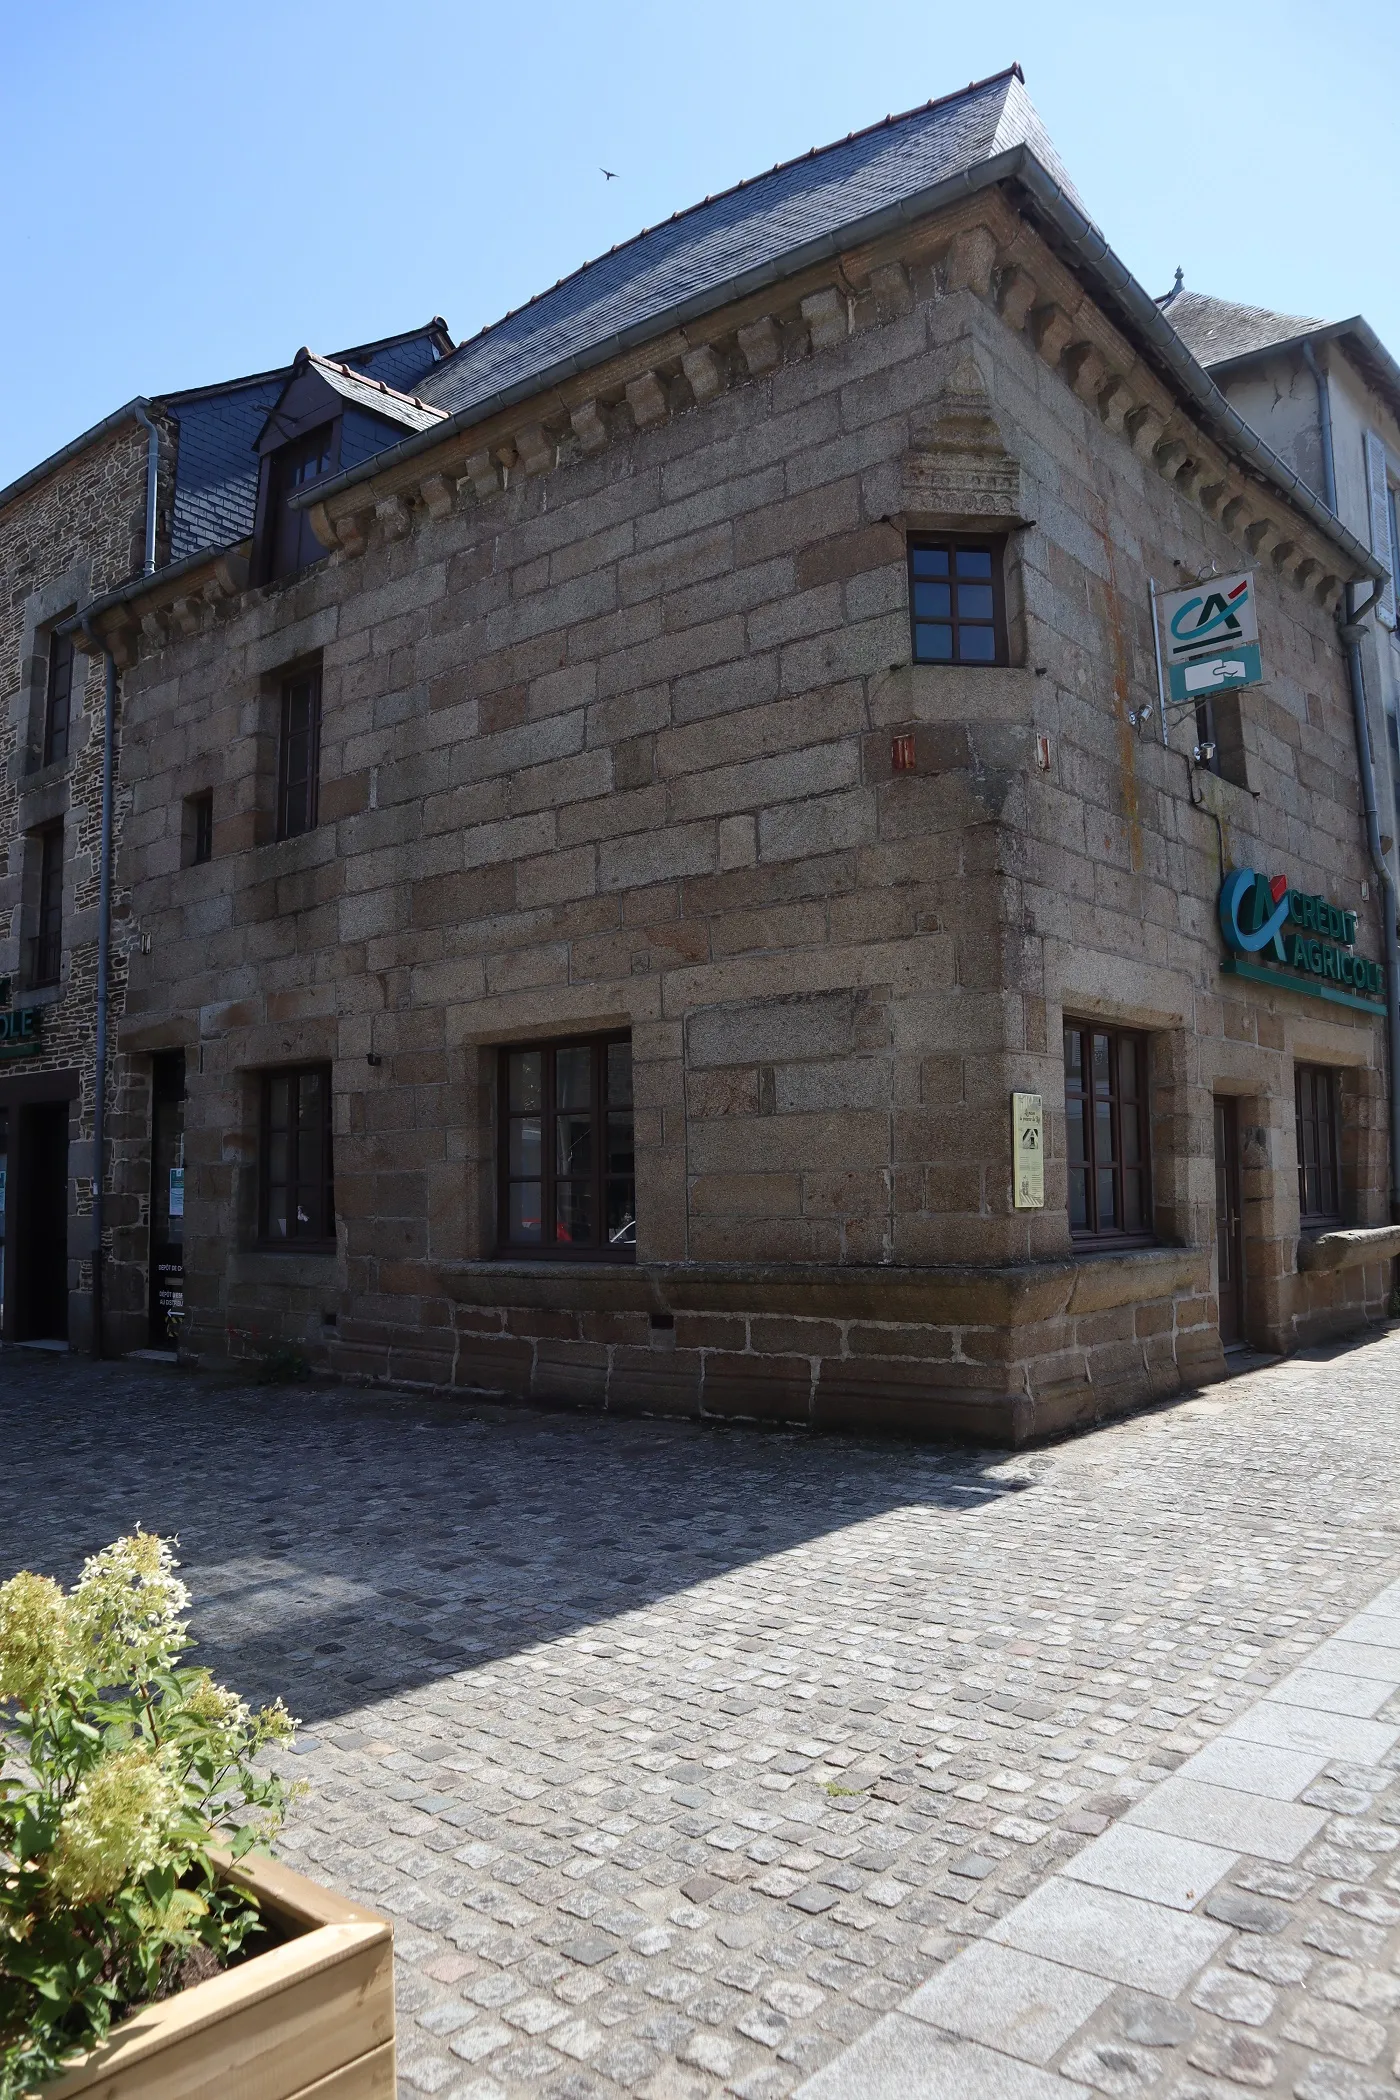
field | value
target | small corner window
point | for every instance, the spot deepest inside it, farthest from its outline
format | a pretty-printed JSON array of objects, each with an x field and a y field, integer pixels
[
  {"x": 1319, "y": 1151},
  {"x": 957, "y": 601},
  {"x": 298, "y": 752},
  {"x": 46, "y": 944},
  {"x": 567, "y": 1174},
  {"x": 1110, "y": 1197},
  {"x": 199, "y": 829},
  {"x": 58, "y": 698},
  {"x": 296, "y": 1188}
]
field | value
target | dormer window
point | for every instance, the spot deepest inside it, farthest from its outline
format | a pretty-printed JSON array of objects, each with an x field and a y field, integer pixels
[{"x": 294, "y": 545}]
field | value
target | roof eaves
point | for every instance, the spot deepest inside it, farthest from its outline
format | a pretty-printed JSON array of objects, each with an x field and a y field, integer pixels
[
  {"x": 1358, "y": 327},
  {"x": 1091, "y": 250},
  {"x": 138, "y": 586},
  {"x": 34, "y": 475}
]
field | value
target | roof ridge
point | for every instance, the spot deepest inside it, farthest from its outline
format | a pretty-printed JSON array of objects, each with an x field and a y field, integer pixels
[{"x": 735, "y": 189}]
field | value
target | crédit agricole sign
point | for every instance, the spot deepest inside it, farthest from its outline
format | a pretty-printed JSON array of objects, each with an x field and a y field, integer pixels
[{"x": 1279, "y": 935}]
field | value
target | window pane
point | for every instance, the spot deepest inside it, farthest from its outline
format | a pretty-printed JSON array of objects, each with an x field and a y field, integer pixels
[
  {"x": 573, "y": 1144},
  {"x": 1108, "y": 1213},
  {"x": 280, "y": 1102},
  {"x": 525, "y": 1211},
  {"x": 974, "y": 561},
  {"x": 933, "y": 601},
  {"x": 620, "y": 1157},
  {"x": 1100, "y": 1056},
  {"x": 1074, "y": 1055},
  {"x": 974, "y": 601},
  {"x": 573, "y": 1077},
  {"x": 526, "y": 1069},
  {"x": 977, "y": 645},
  {"x": 1133, "y": 1220},
  {"x": 525, "y": 1154},
  {"x": 1103, "y": 1134},
  {"x": 1078, "y": 1198},
  {"x": 1074, "y": 1132},
  {"x": 933, "y": 645},
  {"x": 622, "y": 1214},
  {"x": 620, "y": 1074},
  {"x": 929, "y": 561},
  {"x": 573, "y": 1205}
]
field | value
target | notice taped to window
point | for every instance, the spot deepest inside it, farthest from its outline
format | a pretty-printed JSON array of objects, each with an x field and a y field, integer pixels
[{"x": 1028, "y": 1150}]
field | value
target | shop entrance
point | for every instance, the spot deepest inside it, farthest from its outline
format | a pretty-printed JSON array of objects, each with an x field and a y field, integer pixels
[
  {"x": 1229, "y": 1222},
  {"x": 167, "y": 1301},
  {"x": 38, "y": 1221}
]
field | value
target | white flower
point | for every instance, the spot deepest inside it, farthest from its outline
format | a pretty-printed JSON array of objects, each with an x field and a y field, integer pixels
[
  {"x": 126, "y": 1608},
  {"x": 115, "y": 1828}
]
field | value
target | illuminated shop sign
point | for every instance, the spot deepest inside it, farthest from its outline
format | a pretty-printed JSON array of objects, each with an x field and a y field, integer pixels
[
  {"x": 21, "y": 1027},
  {"x": 1279, "y": 935}
]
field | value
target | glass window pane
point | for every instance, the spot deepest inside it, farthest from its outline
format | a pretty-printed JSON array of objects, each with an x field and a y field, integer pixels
[
  {"x": 974, "y": 601},
  {"x": 573, "y": 1146},
  {"x": 280, "y": 1097},
  {"x": 1074, "y": 1055},
  {"x": 1103, "y": 1134},
  {"x": 524, "y": 1211},
  {"x": 1100, "y": 1055},
  {"x": 1108, "y": 1215},
  {"x": 573, "y": 1205},
  {"x": 974, "y": 561},
  {"x": 620, "y": 1074},
  {"x": 525, "y": 1157},
  {"x": 622, "y": 1214},
  {"x": 933, "y": 601},
  {"x": 309, "y": 1101},
  {"x": 277, "y": 1158},
  {"x": 933, "y": 645},
  {"x": 573, "y": 1077},
  {"x": 526, "y": 1069},
  {"x": 1133, "y": 1220},
  {"x": 1127, "y": 1068},
  {"x": 1074, "y": 1131},
  {"x": 929, "y": 561},
  {"x": 1078, "y": 1197},
  {"x": 619, "y": 1159},
  {"x": 277, "y": 1214},
  {"x": 977, "y": 645}
]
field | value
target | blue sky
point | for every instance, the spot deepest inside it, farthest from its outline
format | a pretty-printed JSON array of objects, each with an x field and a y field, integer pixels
[{"x": 192, "y": 192}]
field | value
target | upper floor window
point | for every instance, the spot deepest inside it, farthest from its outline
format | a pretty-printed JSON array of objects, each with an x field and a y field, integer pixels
[
  {"x": 1319, "y": 1152},
  {"x": 957, "y": 603},
  {"x": 293, "y": 544},
  {"x": 1106, "y": 1133},
  {"x": 46, "y": 948},
  {"x": 299, "y": 753},
  {"x": 58, "y": 698},
  {"x": 568, "y": 1180}
]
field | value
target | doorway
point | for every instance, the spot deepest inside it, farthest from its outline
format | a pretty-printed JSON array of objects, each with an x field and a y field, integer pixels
[
  {"x": 167, "y": 1299},
  {"x": 1229, "y": 1222},
  {"x": 39, "y": 1235}
]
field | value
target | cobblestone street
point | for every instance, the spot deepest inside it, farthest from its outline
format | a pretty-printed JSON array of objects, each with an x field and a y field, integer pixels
[{"x": 681, "y": 1756}]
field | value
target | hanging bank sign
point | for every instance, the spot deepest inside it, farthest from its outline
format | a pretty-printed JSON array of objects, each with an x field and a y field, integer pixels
[
  {"x": 20, "y": 1026},
  {"x": 1212, "y": 637},
  {"x": 1283, "y": 936}
]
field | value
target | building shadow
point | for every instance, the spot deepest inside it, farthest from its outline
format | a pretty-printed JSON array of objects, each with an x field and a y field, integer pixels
[{"x": 343, "y": 1547}]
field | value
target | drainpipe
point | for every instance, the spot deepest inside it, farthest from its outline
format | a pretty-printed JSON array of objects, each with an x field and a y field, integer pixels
[
  {"x": 1351, "y": 634},
  {"x": 104, "y": 946},
  {"x": 148, "y": 564}
]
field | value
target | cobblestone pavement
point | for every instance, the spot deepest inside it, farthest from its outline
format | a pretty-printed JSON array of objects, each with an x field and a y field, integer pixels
[{"x": 680, "y": 1756}]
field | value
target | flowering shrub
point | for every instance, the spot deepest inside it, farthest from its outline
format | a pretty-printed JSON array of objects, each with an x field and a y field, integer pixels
[{"x": 124, "y": 1768}]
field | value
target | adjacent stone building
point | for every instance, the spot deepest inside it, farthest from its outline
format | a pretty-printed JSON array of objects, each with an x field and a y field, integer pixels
[
  {"x": 157, "y": 484},
  {"x": 704, "y": 911}
]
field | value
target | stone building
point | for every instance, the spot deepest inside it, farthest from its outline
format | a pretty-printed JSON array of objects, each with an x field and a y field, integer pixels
[
  {"x": 158, "y": 483},
  {"x": 704, "y": 910}
]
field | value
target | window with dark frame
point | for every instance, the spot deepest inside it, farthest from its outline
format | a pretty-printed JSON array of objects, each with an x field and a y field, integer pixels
[
  {"x": 299, "y": 753},
  {"x": 1319, "y": 1148},
  {"x": 202, "y": 827},
  {"x": 1110, "y": 1196},
  {"x": 567, "y": 1174},
  {"x": 294, "y": 545},
  {"x": 46, "y": 947},
  {"x": 957, "y": 601},
  {"x": 58, "y": 698},
  {"x": 296, "y": 1186}
]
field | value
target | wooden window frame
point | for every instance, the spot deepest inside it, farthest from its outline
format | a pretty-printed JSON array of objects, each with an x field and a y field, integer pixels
[
  {"x": 1093, "y": 1233},
  {"x": 547, "y": 1247},
  {"x": 46, "y": 948},
  {"x": 319, "y": 1177},
  {"x": 1314, "y": 1171},
  {"x": 275, "y": 513},
  {"x": 954, "y": 543},
  {"x": 58, "y": 695},
  {"x": 308, "y": 675}
]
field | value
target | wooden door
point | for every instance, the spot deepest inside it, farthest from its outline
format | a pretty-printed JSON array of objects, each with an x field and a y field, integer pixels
[{"x": 1229, "y": 1222}]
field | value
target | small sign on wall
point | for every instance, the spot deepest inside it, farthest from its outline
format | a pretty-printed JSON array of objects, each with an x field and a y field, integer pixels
[{"x": 1028, "y": 1150}]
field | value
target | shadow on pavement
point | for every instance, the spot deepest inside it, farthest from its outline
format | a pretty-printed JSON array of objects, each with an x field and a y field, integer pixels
[{"x": 344, "y": 1546}]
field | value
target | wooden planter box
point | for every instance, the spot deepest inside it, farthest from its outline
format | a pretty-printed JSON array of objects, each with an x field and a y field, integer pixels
[{"x": 310, "y": 2020}]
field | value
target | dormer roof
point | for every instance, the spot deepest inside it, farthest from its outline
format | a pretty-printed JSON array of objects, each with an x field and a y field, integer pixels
[{"x": 320, "y": 386}]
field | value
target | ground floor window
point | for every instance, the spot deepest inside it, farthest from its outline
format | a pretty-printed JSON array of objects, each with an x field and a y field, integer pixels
[
  {"x": 297, "y": 1193},
  {"x": 567, "y": 1178},
  {"x": 1319, "y": 1152},
  {"x": 1106, "y": 1133}
]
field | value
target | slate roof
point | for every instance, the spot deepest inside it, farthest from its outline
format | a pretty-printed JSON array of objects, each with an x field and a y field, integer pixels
[
  {"x": 216, "y": 476},
  {"x": 1215, "y": 330},
  {"x": 759, "y": 222},
  {"x": 376, "y": 395}
]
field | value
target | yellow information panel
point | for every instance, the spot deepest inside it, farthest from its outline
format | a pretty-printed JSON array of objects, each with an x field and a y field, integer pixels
[{"x": 1028, "y": 1150}]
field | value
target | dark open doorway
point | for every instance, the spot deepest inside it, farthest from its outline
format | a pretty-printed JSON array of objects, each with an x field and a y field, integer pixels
[
  {"x": 1229, "y": 1222},
  {"x": 38, "y": 1241},
  {"x": 167, "y": 1300}
]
